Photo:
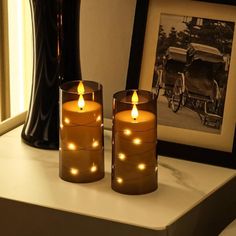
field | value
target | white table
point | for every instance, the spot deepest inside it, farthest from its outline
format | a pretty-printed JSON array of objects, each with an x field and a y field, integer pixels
[{"x": 192, "y": 198}]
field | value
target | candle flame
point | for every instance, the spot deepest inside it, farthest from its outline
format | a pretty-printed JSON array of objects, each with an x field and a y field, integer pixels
[
  {"x": 134, "y": 112},
  {"x": 80, "y": 88},
  {"x": 81, "y": 102},
  {"x": 134, "y": 98}
]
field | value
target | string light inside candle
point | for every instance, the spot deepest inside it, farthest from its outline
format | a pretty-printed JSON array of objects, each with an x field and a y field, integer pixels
[
  {"x": 80, "y": 90},
  {"x": 95, "y": 143},
  {"x": 121, "y": 156},
  {"x": 119, "y": 180},
  {"x": 141, "y": 166},
  {"x": 93, "y": 168},
  {"x": 74, "y": 171},
  {"x": 137, "y": 141},
  {"x": 67, "y": 120},
  {"x": 127, "y": 132},
  {"x": 71, "y": 146}
]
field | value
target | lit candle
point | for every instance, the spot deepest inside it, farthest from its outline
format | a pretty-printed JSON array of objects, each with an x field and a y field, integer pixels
[
  {"x": 134, "y": 146},
  {"x": 81, "y": 133}
]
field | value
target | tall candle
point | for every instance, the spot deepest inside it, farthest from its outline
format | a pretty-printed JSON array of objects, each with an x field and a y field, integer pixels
[
  {"x": 81, "y": 141},
  {"x": 134, "y": 167}
]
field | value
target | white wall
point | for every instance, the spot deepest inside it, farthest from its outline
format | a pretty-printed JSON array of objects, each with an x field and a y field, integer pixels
[{"x": 105, "y": 39}]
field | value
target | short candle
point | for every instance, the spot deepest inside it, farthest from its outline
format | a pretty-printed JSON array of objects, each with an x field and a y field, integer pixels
[
  {"x": 134, "y": 158},
  {"x": 81, "y": 132}
]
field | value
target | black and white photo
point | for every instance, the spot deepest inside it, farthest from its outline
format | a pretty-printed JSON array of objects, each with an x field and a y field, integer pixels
[{"x": 191, "y": 71}]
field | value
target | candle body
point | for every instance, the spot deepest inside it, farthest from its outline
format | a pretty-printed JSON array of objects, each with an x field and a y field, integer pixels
[
  {"x": 81, "y": 142},
  {"x": 134, "y": 165}
]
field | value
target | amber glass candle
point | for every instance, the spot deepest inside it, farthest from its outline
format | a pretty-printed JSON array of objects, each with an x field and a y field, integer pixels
[
  {"x": 134, "y": 139},
  {"x": 81, "y": 132}
]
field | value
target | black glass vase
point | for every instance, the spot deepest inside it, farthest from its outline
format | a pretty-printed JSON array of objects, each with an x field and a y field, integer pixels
[{"x": 56, "y": 60}]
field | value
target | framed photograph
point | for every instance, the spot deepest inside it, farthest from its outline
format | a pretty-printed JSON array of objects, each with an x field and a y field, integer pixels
[{"x": 188, "y": 57}]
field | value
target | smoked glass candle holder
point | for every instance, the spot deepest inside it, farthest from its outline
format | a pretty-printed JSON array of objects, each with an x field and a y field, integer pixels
[
  {"x": 81, "y": 149},
  {"x": 134, "y": 139}
]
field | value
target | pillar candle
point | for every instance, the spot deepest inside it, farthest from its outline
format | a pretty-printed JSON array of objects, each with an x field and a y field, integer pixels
[
  {"x": 134, "y": 167},
  {"x": 81, "y": 141}
]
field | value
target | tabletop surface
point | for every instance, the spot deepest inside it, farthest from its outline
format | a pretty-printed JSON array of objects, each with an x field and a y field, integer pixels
[{"x": 30, "y": 175}]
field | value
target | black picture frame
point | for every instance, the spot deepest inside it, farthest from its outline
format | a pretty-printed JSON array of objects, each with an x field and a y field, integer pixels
[{"x": 176, "y": 150}]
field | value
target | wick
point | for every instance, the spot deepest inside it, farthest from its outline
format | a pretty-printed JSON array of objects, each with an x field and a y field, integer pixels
[
  {"x": 135, "y": 118},
  {"x": 81, "y": 108}
]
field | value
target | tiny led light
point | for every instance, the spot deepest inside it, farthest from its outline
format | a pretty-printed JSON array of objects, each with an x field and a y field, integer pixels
[
  {"x": 141, "y": 166},
  {"x": 74, "y": 171},
  {"x": 98, "y": 118},
  {"x": 67, "y": 120},
  {"x": 121, "y": 156},
  {"x": 93, "y": 168},
  {"x": 137, "y": 141},
  {"x": 95, "y": 144},
  {"x": 127, "y": 132},
  {"x": 71, "y": 146},
  {"x": 119, "y": 180},
  {"x": 61, "y": 126}
]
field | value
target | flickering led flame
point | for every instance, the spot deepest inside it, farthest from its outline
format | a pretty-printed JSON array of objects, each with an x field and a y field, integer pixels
[
  {"x": 119, "y": 180},
  {"x": 141, "y": 166},
  {"x": 74, "y": 171},
  {"x": 95, "y": 144},
  {"x": 137, "y": 141},
  {"x": 71, "y": 146},
  {"x": 81, "y": 102},
  {"x": 93, "y": 168},
  {"x": 134, "y": 98},
  {"x": 80, "y": 88},
  {"x": 121, "y": 156},
  {"x": 134, "y": 112},
  {"x": 67, "y": 120},
  {"x": 127, "y": 132}
]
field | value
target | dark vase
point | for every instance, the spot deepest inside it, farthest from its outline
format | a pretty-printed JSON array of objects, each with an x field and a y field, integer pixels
[{"x": 56, "y": 60}]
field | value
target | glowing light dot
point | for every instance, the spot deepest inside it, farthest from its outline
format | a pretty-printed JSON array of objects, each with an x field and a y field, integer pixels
[
  {"x": 127, "y": 132},
  {"x": 121, "y": 156},
  {"x": 119, "y": 180},
  {"x": 74, "y": 171},
  {"x": 95, "y": 144},
  {"x": 61, "y": 126},
  {"x": 93, "y": 168},
  {"x": 71, "y": 146},
  {"x": 141, "y": 166},
  {"x": 98, "y": 118},
  {"x": 67, "y": 120},
  {"x": 137, "y": 141},
  {"x": 156, "y": 168}
]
